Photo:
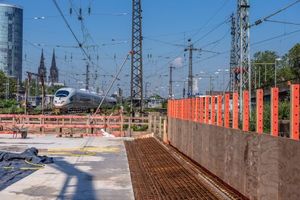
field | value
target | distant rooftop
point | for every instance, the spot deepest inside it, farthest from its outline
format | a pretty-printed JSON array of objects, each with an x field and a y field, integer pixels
[{"x": 10, "y": 5}]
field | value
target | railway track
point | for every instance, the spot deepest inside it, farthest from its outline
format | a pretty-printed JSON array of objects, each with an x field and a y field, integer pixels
[{"x": 158, "y": 172}]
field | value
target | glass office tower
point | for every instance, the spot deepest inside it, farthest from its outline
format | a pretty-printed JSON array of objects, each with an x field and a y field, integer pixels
[{"x": 11, "y": 40}]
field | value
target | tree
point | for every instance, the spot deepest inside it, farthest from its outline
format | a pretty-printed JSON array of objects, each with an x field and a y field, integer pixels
[
  {"x": 294, "y": 60},
  {"x": 4, "y": 81}
]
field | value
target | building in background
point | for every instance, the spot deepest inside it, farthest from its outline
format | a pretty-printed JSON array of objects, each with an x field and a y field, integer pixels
[
  {"x": 53, "y": 78},
  {"x": 42, "y": 71},
  {"x": 11, "y": 40}
]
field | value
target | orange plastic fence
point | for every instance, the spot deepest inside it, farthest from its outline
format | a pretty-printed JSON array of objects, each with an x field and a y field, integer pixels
[
  {"x": 259, "y": 111},
  {"x": 235, "y": 110},
  {"x": 294, "y": 119},
  {"x": 201, "y": 116},
  {"x": 274, "y": 111}
]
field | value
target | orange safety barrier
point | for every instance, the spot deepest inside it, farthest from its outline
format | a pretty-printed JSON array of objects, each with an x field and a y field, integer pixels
[
  {"x": 259, "y": 111},
  {"x": 207, "y": 109},
  {"x": 201, "y": 110},
  {"x": 193, "y": 109},
  {"x": 246, "y": 110},
  {"x": 62, "y": 121},
  {"x": 274, "y": 111},
  {"x": 213, "y": 110},
  {"x": 219, "y": 114},
  {"x": 226, "y": 111},
  {"x": 197, "y": 109},
  {"x": 235, "y": 110},
  {"x": 182, "y": 109},
  {"x": 294, "y": 119}
]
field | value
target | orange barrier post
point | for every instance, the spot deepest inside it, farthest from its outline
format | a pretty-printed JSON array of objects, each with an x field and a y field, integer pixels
[
  {"x": 194, "y": 109},
  {"x": 191, "y": 109},
  {"x": 226, "y": 111},
  {"x": 235, "y": 112},
  {"x": 206, "y": 110},
  {"x": 245, "y": 110},
  {"x": 182, "y": 109},
  {"x": 259, "y": 111},
  {"x": 197, "y": 110},
  {"x": 274, "y": 111},
  {"x": 201, "y": 110},
  {"x": 294, "y": 119},
  {"x": 219, "y": 114},
  {"x": 213, "y": 110}
]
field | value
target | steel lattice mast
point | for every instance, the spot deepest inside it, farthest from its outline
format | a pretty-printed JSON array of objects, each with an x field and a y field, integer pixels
[
  {"x": 243, "y": 72},
  {"x": 233, "y": 55},
  {"x": 136, "y": 89}
]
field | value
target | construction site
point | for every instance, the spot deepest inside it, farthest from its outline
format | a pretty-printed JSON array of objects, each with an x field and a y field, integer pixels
[{"x": 233, "y": 136}]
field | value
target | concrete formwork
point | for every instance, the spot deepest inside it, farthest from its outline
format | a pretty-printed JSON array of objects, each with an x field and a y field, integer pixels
[{"x": 258, "y": 166}]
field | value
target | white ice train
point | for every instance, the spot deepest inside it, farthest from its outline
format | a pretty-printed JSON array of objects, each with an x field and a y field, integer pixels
[{"x": 70, "y": 99}]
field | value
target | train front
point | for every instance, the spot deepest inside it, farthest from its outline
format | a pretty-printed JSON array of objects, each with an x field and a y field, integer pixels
[{"x": 61, "y": 101}]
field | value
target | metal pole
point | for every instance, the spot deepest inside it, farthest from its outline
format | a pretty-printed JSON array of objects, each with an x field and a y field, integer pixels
[
  {"x": 171, "y": 83},
  {"x": 275, "y": 73},
  {"x": 112, "y": 83}
]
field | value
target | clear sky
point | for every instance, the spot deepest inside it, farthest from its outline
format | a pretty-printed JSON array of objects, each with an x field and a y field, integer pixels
[{"x": 167, "y": 24}]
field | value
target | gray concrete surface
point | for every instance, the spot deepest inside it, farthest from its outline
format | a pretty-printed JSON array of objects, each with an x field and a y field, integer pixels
[{"x": 97, "y": 171}]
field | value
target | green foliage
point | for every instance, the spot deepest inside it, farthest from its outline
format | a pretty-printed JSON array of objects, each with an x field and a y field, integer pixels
[
  {"x": 140, "y": 127},
  {"x": 267, "y": 118},
  {"x": 284, "y": 110},
  {"x": 3, "y": 85},
  {"x": 10, "y": 106}
]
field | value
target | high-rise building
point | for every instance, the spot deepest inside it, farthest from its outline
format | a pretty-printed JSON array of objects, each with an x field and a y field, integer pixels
[
  {"x": 53, "y": 78},
  {"x": 11, "y": 40}
]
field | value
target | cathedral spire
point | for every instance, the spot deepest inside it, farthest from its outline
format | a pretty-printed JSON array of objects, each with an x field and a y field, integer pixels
[
  {"x": 42, "y": 71},
  {"x": 53, "y": 70}
]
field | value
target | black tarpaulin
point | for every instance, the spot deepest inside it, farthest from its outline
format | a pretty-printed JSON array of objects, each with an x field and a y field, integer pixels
[{"x": 15, "y": 166}]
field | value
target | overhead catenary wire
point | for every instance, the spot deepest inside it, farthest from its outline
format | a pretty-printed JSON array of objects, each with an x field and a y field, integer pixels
[{"x": 257, "y": 22}]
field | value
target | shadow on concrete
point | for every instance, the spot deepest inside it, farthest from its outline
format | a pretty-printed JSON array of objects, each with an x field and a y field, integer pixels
[{"x": 83, "y": 188}]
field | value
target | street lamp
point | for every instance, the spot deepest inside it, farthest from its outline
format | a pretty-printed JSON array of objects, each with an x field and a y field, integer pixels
[{"x": 276, "y": 60}]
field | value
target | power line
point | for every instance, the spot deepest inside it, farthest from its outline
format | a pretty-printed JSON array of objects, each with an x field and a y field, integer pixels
[
  {"x": 283, "y": 22},
  {"x": 257, "y": 22}
]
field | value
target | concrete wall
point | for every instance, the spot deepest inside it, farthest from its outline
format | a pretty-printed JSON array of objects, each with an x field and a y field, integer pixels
[{"x": 259, "y": 166}]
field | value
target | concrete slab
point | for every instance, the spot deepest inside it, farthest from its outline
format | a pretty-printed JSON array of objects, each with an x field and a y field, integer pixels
[{"x": 83, "y": 168}]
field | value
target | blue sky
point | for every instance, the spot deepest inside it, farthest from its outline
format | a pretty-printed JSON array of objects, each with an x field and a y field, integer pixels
[{"x": 167, "y": 24}]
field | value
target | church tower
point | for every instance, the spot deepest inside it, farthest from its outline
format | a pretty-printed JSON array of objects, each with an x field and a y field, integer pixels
[
  {"x": 42, "y": 71},
  {"x": 53, "y": 78}
]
